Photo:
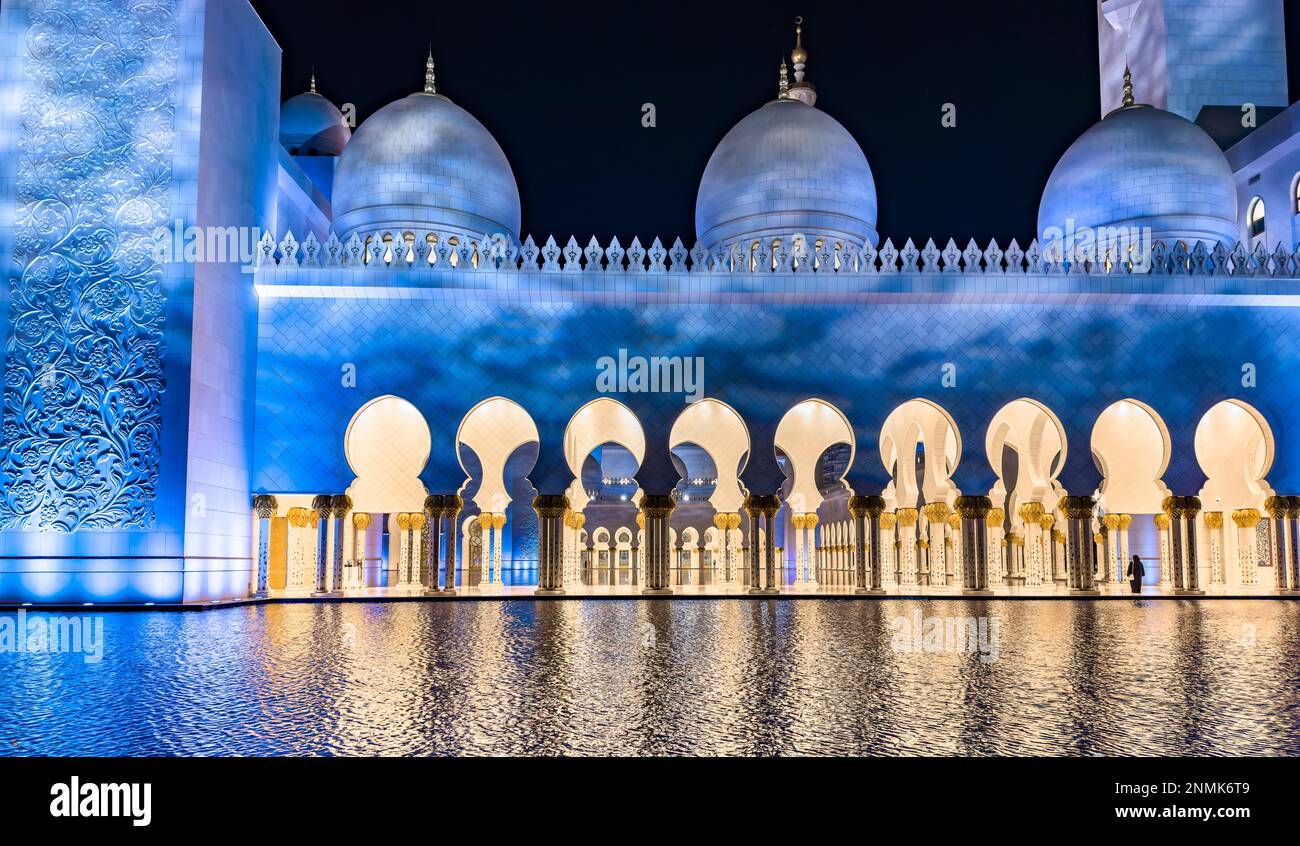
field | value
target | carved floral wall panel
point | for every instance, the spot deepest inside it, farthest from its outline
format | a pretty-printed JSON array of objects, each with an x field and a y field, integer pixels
[{"x": 84, "y": 367}]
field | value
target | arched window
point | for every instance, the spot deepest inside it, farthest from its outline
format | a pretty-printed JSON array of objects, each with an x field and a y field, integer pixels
[
  {"x": 1296, "y": 199},
  {"x": 1255, "y": 219}
]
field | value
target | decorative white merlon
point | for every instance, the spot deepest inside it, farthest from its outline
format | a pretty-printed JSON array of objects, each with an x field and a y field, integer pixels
[{"x": 445, "y": 252}]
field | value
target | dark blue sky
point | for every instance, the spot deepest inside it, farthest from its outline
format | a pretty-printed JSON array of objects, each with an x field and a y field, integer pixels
[{"x": 561, "y": 86}]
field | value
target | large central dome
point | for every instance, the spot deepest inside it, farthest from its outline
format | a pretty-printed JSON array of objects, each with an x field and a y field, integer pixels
[
  {"x": 787, "y": 168},
  {"x": 425, "y": 163}
]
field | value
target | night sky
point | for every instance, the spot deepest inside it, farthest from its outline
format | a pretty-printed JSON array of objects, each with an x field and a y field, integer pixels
[{"x": 561, "y": 86}]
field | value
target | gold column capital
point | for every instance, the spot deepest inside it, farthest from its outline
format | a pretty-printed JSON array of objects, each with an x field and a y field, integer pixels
[
  {"x": 935, "y": 512},
  {"x": 1247, "y": 518},
  {"x": 996, "y": 517},
  {"x": 888, "y": 520},
  {"x": 361, "y": 520},
  {"x": 907, "y": 517},
  {"x": 1161, "y": 521},
  {"x": 1031, "y": 512},
  {"x": 1214, "y": 519},
  {"x": 265, "y": 506}
]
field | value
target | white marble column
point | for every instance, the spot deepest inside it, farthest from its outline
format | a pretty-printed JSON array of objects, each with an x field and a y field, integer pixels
[
  {"x": 888, "y": 550},
  {"x": 798, "y": 522},
  {"x": 907, "y": 550},
  {"x": 996, "y": 546},
  {"x": 936, "y": 518},
  {"x": 1247, "y": 521}
]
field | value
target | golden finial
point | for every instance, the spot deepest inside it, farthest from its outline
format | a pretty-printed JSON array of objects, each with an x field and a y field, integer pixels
[
  {"x": 783, "y": 89},
  {"x": 428, "y": 74},
  {"x": 801, "y": 90},
  {"x": 313, "y": 80},
  {"x": 1128, "y": 87}
]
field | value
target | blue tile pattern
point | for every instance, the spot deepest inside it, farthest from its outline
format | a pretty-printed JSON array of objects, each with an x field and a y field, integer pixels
[{"x": 1077, "y": 343}]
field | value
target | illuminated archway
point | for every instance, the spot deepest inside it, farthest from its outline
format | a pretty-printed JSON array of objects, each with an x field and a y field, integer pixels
[
  {"x": 1132, "y": 447},
  {"x": 387, "y": 444}
]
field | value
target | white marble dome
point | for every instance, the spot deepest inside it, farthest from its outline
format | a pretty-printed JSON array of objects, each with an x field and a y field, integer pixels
[
  {"x": 1147, "y": 169},
  {"x": 787, "y": 168},
  {"x": 423, "y": 162},
  {"x": 312, "y": 125}
]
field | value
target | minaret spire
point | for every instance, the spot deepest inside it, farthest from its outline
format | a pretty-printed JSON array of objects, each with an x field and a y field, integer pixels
[
  {"x": 429, "y": 87},
  {"x": 801, "y": 90},
  {"x": 313, "y": 80},
  {"x": 1128, "y": 88},
  {"x": 783, "y": 88}
]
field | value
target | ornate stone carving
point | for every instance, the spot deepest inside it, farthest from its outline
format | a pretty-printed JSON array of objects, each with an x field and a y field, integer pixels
[{"x": 84, "y": 364}]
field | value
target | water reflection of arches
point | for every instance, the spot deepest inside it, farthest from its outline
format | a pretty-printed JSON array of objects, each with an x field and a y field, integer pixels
[
  {"x": 920, "y": 447},
  {"x": 1026, "y": 447}
]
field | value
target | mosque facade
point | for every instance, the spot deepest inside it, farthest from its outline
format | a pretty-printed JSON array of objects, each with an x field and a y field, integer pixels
[{"x": 391, "y": 388}]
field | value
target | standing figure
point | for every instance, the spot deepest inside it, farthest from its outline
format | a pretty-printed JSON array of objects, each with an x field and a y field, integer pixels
[{"x": 1135, "y": 573}]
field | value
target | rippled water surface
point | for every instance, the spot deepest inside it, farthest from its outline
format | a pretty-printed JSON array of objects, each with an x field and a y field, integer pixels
[{"x": 667, "y": 677}]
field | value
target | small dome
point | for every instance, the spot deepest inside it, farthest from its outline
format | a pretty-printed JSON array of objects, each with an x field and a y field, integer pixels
[
  {"x": 1143, "y": 168},
  {"x": 423, "y": 162},
  {"x": 310, "y": 123},
  {"x": 787, "y": 168}
]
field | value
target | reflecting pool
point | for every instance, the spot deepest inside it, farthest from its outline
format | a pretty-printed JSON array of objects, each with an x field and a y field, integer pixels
[{"x": 668, "y": 677}]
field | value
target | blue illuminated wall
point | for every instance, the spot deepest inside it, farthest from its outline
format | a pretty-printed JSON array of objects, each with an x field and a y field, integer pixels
[
  {"x": 1076, "y": 343},
  {"x": 126, "y": 443}
]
